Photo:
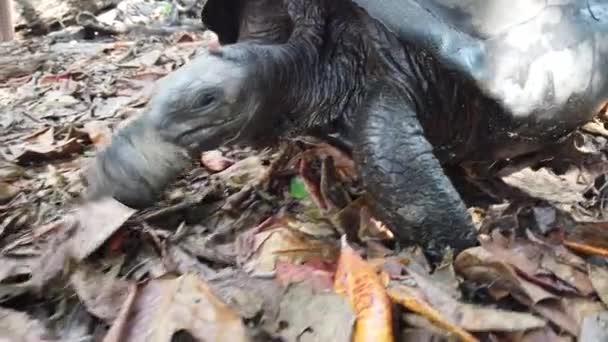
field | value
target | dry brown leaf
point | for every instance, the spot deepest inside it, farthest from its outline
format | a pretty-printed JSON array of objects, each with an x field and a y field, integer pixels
[
  {"x": 102, "y": 294},
  {"x": 538, "y": 262},
  {"x": 595, "y": 127},
  {"x": 165, "y": 306},
  {"x": 17, "y": 326},
  {"x": 9, "y": 171},
  {"x": 99, "y": 133},
  {"x": 250, "y": 170},
  {"x": 252, "y": 297},
  {"x": 568, "y": 313},
  {"x": 424, "y": 335},
  {"x": 348, "y": 220},
  {"x": 479, "y": 265},
  {"x": 7, "y": 192},
  {"x": 287, "y": 245},
  {"x": 546, "y": 185},
  {"x": 595, "y": 328},
  {"x": 115, "y": 332},
  {"x": 332, "y": 189},
  {"x": 43, "y": 137},
  {"x": 215, "y": 161},
  {"x": 599, "y": 278},
  {"x": 358, "y": 282},
  {"x": 588, "y": 238},
  {"x": 542, "y": 335},
  {"x": 471, "y": 317},
  {"x": 97, "y": 221},
  {"x": 54, "y": 259},
  {"x": 176, "y": 259},
  {"x": 312, "y": 185},
  {"x": 356, "y": 221},
  {"x": 317, "y": 274},
  {"x": 586, "y": 248},
  {"x": 58, "y": 150},
  {"x": 342, "y": 161},
  {"x": 147, "y": 59},
  {"x": 306, "y": 316},
  {"x": 14, "y": 268},
  {"x": 402, "y": 295}
]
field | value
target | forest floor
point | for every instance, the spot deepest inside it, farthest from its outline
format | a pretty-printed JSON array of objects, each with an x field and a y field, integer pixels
[{"x": 267, "y": 245}]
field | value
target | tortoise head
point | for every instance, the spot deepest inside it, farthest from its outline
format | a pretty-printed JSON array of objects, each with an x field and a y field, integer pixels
[
  {"x": 214, "y": 99},
  {"x": 209, "y": 101}
]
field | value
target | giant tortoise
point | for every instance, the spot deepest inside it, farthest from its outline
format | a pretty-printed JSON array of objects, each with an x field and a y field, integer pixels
[{"x": 414, "y": 86}]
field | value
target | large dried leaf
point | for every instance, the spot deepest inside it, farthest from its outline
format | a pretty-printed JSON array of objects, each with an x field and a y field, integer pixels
[
  {"x": 17, "y": 326},
  {"x": 595, "y": 328},
  {"x": 252, "y": 297},
  {"x": 483, "y": 267},
  {"x": 7, "y": 192},
  {"x": 97, "y": 222},
  {"x": 544, "y": 184},
  {"x": 473, "y": 318},
  {"x": 479, "y": 265},
  {"x": 317, "y": 274},
  {"x": 599, "y": 279},
  {"x": 358, "y": 282},
  {"x": 309, "y": 316},
  {"x": 37, "y": 153},
  {"x": 286, "y": 244},
  {"x": 163, "y": 307},
  {"x": 568, "y": 313},
  {"x": 404, "y": 296},
  {"x": 103, "y": 294},
  {"x": 540, "y": 263}
]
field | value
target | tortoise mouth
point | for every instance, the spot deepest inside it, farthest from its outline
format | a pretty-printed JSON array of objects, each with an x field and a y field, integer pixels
[{"x": 208, "y": 135}]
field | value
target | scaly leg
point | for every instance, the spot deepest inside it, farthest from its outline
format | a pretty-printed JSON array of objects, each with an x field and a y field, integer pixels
[{"x": 408, "y": 188}]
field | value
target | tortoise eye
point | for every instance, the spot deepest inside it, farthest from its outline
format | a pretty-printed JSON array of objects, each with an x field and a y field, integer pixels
[{"x": 206, "y": 100}]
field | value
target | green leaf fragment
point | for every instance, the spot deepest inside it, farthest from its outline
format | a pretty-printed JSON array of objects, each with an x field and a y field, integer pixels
[{"x": 297, "y": 189}]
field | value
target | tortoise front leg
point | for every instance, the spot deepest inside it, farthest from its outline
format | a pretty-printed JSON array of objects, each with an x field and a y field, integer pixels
[{"x": 408, "y": 188}]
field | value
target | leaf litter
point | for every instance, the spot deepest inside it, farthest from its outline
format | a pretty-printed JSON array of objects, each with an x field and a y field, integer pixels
[{"x": 265, "y": 245}]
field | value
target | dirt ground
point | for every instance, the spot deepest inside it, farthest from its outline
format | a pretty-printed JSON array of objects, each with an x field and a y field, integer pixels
[{"x": 266, "y": 245}]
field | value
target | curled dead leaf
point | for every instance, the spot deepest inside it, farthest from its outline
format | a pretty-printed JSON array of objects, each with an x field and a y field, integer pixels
[
  {"x": 358, "y": 282},
  {"x": 162, "y": 307}
]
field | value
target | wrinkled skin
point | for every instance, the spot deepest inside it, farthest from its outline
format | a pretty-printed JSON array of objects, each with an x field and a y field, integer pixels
[{"x": 330, "y": 68}]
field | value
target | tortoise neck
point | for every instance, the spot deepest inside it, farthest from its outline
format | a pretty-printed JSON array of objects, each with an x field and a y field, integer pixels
[{"x": 317, "y": 77}]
